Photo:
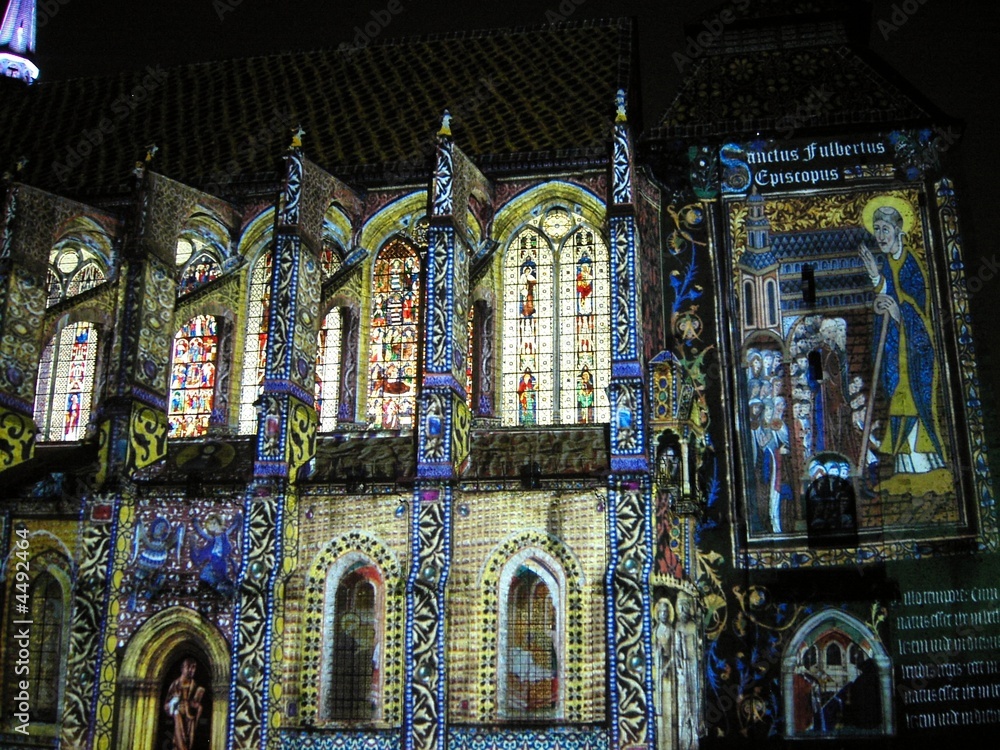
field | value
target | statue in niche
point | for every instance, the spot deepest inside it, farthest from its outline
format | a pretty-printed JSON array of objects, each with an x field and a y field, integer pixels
[
  {"x": 690, "y": 672},
  {"x": 663, "y": 652},
  {"x": 184, "y": 706},
  {"x": 214, "y": 557},
  {"x": 151, "y": 549}
]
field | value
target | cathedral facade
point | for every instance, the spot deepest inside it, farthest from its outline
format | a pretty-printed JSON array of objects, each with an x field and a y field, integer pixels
[{"x": 418, "y": 396}]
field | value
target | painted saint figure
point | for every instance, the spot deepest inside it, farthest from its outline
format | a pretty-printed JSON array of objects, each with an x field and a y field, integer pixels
[
  {"x": 585, "y": 397},
  {"x": 184, "y": 706},
  {"x": 690, "y": 671},
  {"x": 907, "y": 368},
  {"x": 214, "y": 556},
  {"x": 663, "y": 679},
  {"x": 526, "y": 399}
]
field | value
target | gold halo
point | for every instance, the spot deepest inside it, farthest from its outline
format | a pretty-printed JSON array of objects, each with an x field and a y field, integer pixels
[{"x": 893, "y": 201}]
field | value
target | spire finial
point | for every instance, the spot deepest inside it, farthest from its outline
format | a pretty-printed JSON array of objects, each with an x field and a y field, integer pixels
[
  {"x": 297, "y": 138},
  {"x": 445, "y": 123},
  {"x": 17, "y": 41},
  {"x": 620, "y": 115}
]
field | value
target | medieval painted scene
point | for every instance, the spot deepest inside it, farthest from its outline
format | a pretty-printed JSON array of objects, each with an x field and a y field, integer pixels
[{"x": 428, "y": 394}]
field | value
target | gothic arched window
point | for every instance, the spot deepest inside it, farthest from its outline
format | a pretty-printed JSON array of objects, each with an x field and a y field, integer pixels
[
  {"x": 73, "y": 269},
  {"x": 328, "y": 366},
  {"x": 352, "y": 654},
  {"x": 530, "y": 641},
  {"x": 471, "y": 360},
  {"x": 192, "y": 379},
  {"x": 255, "y": 342},
  {"x": 556, "y": 343},
  {"x": 64, "y": 390},
  {"x": 392, "y": 369},
  {"x": 45, "y": 649}
]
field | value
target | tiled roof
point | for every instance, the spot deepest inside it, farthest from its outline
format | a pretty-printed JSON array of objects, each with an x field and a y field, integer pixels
[
  {"x": 784, "y": 90},
  {"x": 838, "y": 241},
  {"x": 510, "y": 91}
]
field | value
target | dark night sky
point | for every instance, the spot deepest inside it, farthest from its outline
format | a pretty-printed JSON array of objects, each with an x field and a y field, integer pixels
[{"x": 944, "y": 49}]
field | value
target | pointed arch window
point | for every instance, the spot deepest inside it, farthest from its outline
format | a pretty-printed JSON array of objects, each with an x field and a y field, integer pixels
[
  {"x": 530, "y": 667},
  {"x": 352, "y": 684},
  {"x": 73, "y": 269},
  {"x": 328, "y": 369},
  {"x": 192, "y": 378},
  {"x": 471, "y": 360},
  {"x": 65, "y": 387},
  {"x": 556, "y": 343},
  {"x": 329, "y": 258},
  {"x": 255, "y": 341},
  {"x": 392, "y": 369},
  {"x": 45, "y": 649}
]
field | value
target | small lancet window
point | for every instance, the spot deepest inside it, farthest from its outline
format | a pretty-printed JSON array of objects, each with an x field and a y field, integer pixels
[
  {"x": 65, "y": 387},
  {"x": 328, "y": 369}
]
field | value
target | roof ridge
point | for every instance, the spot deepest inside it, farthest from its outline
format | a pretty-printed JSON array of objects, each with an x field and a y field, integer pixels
[{"x": 623, "y": 23}]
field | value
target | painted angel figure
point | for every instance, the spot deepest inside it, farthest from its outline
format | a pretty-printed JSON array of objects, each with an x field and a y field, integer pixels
[
  {"x": 151, "y": 548},
  {"x": 214, "y": 556}
]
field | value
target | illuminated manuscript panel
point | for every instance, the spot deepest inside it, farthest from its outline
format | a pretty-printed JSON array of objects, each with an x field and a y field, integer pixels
[{"x": 844, "y": 423}]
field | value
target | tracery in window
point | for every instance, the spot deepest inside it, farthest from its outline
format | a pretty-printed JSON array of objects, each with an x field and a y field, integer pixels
[
  {"x": 556, "y": 343},
  {"x": 65, "y": 386},
  {"x": 255, "y": 342},
  {"x": 392, "y": 369},
  {"x": 198, "y": 262},
  {"x": 328, "y": 353},
  {"x": 73, "y": 269},
  {"x": 192, "y": 380}
]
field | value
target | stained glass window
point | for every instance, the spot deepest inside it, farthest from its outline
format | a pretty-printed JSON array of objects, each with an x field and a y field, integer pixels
[
  {"x": 65, "y": 385},
  {"x": 584, "y": 327},
  {"x": 328, "y": 370},
  {"x": 255, "y": 343},
  {"x": 192, "y": 378},
  {"x": 530, "y": 657},
  {"x": 470, "y": 357},
  {"x": 392, "y": 368},
  {"x": 329, "y": 259},
  {"x": 556, "y": 371},
  {"x": 201, "y": 269},
  {"x": 355, "y": 683},
  {"x": 73, "y": 269}
]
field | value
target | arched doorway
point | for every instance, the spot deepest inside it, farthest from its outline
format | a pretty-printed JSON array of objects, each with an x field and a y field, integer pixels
[{"x": 170, "y": 650}]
